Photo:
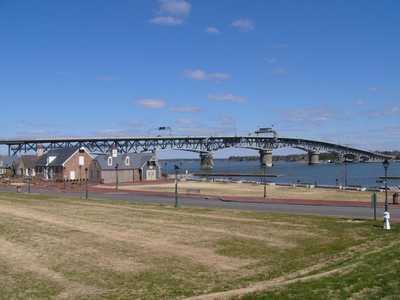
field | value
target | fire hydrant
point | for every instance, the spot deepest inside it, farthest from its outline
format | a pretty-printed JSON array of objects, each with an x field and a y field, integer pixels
[{"x": 386, "y": 222}]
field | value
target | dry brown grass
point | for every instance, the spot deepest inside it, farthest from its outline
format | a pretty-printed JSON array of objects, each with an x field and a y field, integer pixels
[
  {"x": 69, "y": 249},
  {"x": 253, "y": 190}
]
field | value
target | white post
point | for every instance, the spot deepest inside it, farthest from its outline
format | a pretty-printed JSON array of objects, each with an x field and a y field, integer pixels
[{"x": 386, "y": 222}]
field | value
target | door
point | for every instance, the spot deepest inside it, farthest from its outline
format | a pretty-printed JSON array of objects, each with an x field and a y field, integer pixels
[
  {"x": 151, "y": 175},
  {"x": 72, "y": 175}
]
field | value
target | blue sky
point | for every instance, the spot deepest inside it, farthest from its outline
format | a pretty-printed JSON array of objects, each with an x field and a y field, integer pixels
[{"x": 328, "y": 70}]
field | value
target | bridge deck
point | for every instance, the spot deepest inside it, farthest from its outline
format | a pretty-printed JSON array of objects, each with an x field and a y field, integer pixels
[{"x": 188, "y": 143}]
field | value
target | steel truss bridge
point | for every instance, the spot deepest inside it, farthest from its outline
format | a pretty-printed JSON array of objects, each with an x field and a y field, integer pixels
[{"x": 204, "y": 145}]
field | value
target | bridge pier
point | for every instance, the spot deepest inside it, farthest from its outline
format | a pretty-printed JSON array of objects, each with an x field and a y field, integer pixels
[
  {"x": 313, "y": 157},
  {"x": 206, "y": 161},
  {"x": 266, "y": 157}
]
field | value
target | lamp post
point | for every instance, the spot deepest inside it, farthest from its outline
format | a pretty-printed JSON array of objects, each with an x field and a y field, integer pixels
[
  {"x": 80, "y": 180},
  {"x": 116, "y": 177},
  {"x": 86, "y": 184},
  {"x": 265, "y": 182},
  {"x": 176, "y": 186},
  {"x": 29, "y": 181},
  {"x": 386, "y": 166},
  {"x": 345, "y": 172}
]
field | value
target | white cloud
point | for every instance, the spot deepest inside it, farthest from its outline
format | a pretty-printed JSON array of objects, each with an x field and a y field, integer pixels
[
  {"x": 271, "y": 60},
  {"x": 311, "y": 115},
  {"x": 184, "y": 121},
  {"x": 106, "y": 78},
  {"x": 212, "y": 30},
  {"x": 171, "y": 12},
  {"x": 373, "y": 89},
  {"x": 381, "y": 112},
  {"x": 186, "y": 109},
  {"x": 360, "y": 102},
  {"x": 227, "y": 98},
  {"x": 279, "y": 71},
  {"x": 243, "y": 24},
  {"x": 152, "y": 103},
  {"x": 280, "y": 46},
  {"x": 166, "y": 20},
  {"x": 198, "y": 74},
  {"x": 175, "y": 7}
]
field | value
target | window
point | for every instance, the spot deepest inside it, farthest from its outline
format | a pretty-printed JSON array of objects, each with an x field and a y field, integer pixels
[
  {"x": 110, "y": 162},
  {"x": 127, "y": 161},
  {"x": 81, "y": 160},
  {"x": 50, "y": 159}
]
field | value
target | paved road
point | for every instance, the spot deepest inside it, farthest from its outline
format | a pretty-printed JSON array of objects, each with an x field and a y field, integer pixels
[{"x": 352, "y": 212}]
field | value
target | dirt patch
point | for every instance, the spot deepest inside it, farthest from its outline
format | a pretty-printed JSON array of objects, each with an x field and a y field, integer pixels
[
  {"x": 155, "y": 245},
  {"x": 23, "y": 259},
  {"x": 251, "y": 190}
]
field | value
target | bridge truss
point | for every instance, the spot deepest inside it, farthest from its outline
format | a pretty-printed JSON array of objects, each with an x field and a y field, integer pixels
[{"x": 200, "y": 144}]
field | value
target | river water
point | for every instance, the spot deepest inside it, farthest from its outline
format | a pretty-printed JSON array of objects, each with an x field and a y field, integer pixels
[{"x": 358, "y": 174}]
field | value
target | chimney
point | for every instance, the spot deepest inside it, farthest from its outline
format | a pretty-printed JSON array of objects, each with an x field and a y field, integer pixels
[
  {"x": 114, "y": 152},
  {"x": 39, "y": 150}
]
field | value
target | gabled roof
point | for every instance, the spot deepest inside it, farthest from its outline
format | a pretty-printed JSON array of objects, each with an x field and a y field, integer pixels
[
  {"x": 6, "y": 161},
  {"x": 61, "y": 156},
  {"x": 136, "y": 161},
  {"x": 28, "y": 161}
]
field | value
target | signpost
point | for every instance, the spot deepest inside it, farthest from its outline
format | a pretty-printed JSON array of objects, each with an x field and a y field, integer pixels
[
  {"x": 374, "y": 199},
  {"x": 176, "y": 186}
]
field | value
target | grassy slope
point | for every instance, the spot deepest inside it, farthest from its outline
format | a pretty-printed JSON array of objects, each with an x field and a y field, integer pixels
[
  {"x": 372, "y": 276},
  {"x": 256, "y": 246}
]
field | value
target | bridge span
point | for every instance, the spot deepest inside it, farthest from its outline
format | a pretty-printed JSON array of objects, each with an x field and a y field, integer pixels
[{"x": 204, "y": 145}]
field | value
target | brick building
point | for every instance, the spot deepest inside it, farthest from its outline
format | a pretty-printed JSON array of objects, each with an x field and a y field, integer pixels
[{"x": 64, "y": 164}]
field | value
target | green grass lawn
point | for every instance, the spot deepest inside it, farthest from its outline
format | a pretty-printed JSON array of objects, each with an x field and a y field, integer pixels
[
  {"x": 373, "y": 276},
  {"x": 54, "y": 247}
]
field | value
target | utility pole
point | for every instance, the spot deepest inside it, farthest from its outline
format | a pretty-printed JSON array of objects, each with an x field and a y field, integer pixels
[{"x": 176, "y": 187}]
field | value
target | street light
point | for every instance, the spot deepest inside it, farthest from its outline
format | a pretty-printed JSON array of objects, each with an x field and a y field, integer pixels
[
  {"x": 29, "y": 181},
  {"x": 86, "y": 184},
  {"x": 176, "y": 186},
  {"x": 80, "y": 180},
  {"x": 116, "y": 177},
  {"x": 265, "y": 182},
  {"x": 386, "y": 166}
]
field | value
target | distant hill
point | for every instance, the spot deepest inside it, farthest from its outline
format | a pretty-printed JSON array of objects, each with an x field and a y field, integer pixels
[
  {"x": 289, "y": 157},
  {"x": 304, "y": 157},
  {"x": 396, "y": 154}
]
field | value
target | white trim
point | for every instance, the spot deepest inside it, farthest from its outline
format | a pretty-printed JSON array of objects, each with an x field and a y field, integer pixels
[
  {"x": 151, "y": 158},
  {"x": 69, "y": 158}
]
